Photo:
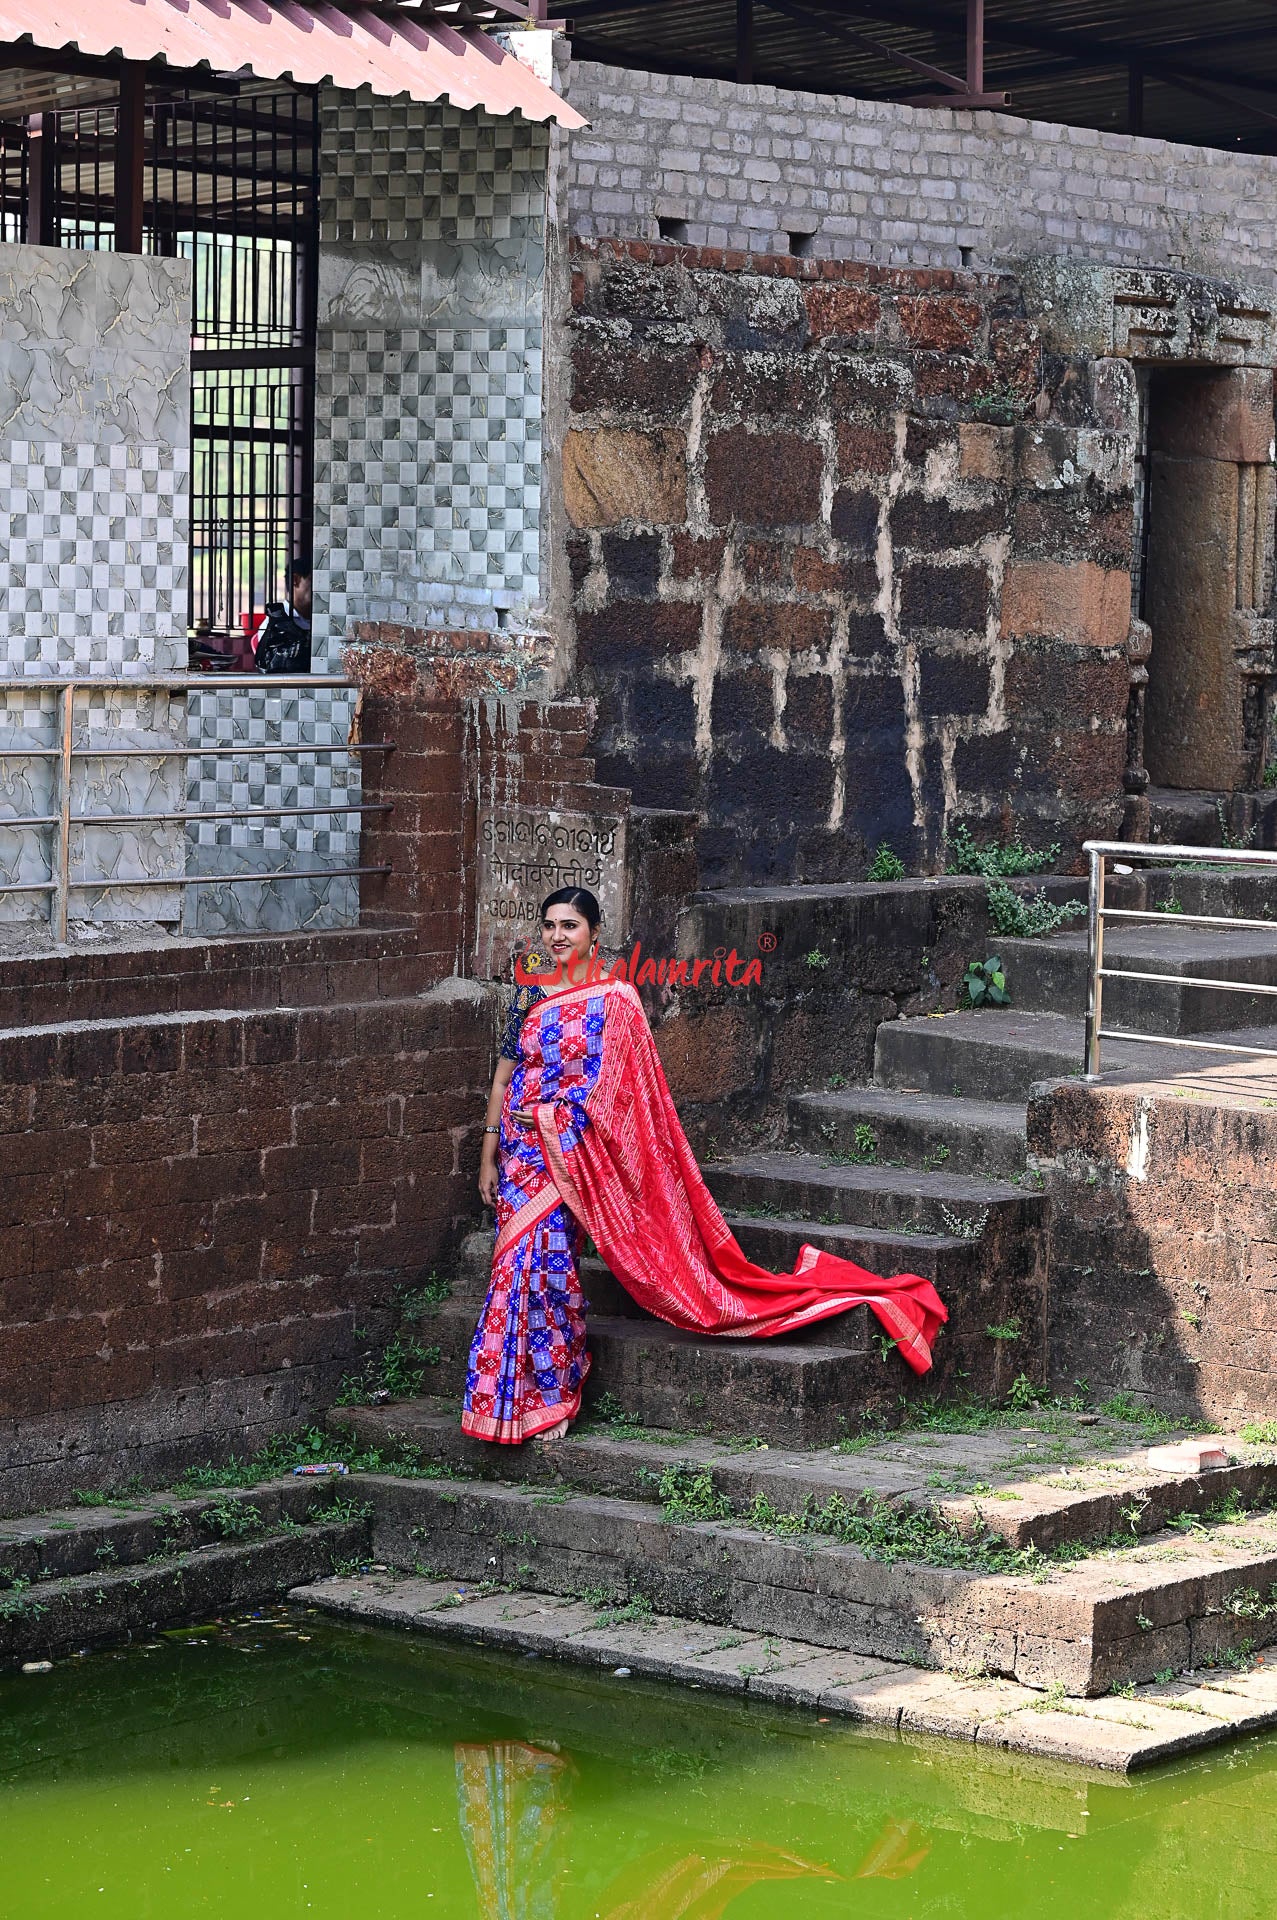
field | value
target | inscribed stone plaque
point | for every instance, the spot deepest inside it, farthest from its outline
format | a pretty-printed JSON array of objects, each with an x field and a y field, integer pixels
[{"x": 525, "y": 854}]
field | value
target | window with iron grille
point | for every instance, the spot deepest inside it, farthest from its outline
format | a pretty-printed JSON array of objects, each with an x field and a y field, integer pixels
[
  {"x": 13, "y": 181},
  {"x": 231, "y": 186}
]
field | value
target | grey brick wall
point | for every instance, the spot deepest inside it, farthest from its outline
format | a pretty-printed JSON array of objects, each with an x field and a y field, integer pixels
[{"x": 747, "y": 166}]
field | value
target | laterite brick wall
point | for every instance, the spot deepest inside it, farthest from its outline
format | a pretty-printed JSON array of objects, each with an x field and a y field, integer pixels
[
  {"x": 222, "y": 1159},
  {"x": 849, "y": 555},
  {"x": 200, "y": 1210},
  {"x": 1163, "y": 1243}
]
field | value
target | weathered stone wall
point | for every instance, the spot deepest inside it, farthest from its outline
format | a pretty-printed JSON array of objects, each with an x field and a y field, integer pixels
[
  {"x": 849, "y": 551},
  {"x": 201, "y": 1210},
  {"x": 747, "y": 166},
  {"x": 1163, "y": 1242}
]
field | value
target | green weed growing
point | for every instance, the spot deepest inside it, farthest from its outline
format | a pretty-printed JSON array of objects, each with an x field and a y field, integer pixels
[
  {"x": 1027, "y": 916},
  {"x": 996, "y": 863},
  {"x": 687, "y": 1493},
  {"x": 229, "y": 1519},
  {"x": 886, "y": 865}
]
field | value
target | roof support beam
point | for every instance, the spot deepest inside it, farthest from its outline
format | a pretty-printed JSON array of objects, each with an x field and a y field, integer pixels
[
  {"x": 835, "y": 30},
  {"x": 42, "y": 188},
  {"x": 130, "y": 157},
  {"x": 975, "y": 46},
  {"x": 1095, "y": 54},
  {"x": 745, "y": 41}
]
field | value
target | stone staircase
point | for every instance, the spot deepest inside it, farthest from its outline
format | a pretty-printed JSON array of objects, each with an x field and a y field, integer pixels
[
  {"x": 1066, "y": 1563},
  {"x": 741, "y": 1483},
  {"x": 77, "y": 1578},
  {"x": 979, "y": 1240}
]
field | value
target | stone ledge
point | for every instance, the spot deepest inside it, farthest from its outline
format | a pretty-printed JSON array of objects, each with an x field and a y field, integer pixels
[
  {"x": 1113, "y": 1734},
  {"x": 427, "y": 663}
]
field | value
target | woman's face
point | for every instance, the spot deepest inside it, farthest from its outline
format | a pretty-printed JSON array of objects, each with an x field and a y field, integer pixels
[{"x": 566, "y": 932}]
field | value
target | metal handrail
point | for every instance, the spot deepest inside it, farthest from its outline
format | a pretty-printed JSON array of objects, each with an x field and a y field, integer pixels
[
  {"x": 1100, "y": 851},
  {"x": 66, "y": 687}
]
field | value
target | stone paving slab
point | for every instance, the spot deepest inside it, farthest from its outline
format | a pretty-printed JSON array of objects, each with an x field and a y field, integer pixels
[{"x": 1117, "y": 1733}]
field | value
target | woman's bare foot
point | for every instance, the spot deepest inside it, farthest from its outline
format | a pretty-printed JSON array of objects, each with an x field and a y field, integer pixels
[{"x": 556, "y": 1433}]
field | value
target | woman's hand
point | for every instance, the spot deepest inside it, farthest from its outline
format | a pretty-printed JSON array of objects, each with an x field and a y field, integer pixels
[
  {"x": 523, "y": 1116},
  {"x": 489, "y": 1178}
]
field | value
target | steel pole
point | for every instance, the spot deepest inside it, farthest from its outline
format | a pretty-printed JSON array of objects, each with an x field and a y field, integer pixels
[
  {"x": 62, "y": 853},
  {"x": 1095, "y": 960},
  {"x": 975, "y": 46}
]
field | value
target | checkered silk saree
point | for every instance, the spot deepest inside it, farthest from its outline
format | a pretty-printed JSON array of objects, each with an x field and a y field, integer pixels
[{"x": 608, "y": 1157}]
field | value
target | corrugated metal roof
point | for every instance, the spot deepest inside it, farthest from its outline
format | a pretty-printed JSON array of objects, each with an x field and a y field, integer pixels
[
  {"x": 349, "y": 44},
  {"x": 1184, "y": 70}
]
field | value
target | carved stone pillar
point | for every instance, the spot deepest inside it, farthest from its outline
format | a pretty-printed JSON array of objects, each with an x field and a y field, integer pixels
[{"x": 1135, "y": 815}]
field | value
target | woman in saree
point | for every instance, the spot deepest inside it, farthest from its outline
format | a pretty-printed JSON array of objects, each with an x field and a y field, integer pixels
[{"x": 581, "y": 1137}]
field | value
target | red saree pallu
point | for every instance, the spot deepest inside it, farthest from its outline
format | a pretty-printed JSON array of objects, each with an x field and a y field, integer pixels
[{"x": 609, "y": 1156}]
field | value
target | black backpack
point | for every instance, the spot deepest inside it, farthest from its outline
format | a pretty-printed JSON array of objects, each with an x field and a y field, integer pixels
[{"x": 283, "y": 644}]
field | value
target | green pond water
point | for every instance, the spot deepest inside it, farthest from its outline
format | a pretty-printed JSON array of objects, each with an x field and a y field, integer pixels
[{"x": 283, "y": 1766}]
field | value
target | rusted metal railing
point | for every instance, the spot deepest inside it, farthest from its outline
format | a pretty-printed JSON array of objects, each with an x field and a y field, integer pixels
[
  {"x": 65, "y": 753},
  {"x": 1100, "y": 852}
]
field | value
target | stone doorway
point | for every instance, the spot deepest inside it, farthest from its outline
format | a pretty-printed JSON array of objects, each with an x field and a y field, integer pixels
[{"x": 1206, "y": 574}]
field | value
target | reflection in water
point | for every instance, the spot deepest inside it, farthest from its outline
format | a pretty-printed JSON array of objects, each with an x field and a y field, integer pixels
[
  {"x": 895, "y": 1853},
  {"x": 510, "y": 1797},
  {"x": 700, "y": 1886},
  {"x": 513, "y": 1807}
]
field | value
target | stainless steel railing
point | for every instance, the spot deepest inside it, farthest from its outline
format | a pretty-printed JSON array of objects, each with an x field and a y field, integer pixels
[
  {"x": 65, "y": 753},
  {"x": 1099, "y": 914}
]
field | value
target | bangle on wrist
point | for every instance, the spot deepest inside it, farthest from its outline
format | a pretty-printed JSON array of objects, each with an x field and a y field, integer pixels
[{"x": 492, "y": 1129}]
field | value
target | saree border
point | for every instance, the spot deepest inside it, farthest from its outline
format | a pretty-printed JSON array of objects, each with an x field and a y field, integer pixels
[
  {"x": 481, "y": 1426},
  {"x": 556, "y": 1164},
  {"x": 529, "y": 1215}
]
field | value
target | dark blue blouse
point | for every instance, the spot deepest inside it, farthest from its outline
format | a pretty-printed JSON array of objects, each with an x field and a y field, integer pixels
[{"x": 525, "y": 998}]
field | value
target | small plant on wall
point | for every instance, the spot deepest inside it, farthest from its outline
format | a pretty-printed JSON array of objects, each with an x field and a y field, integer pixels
[
  {"x": 1027, "y": 916},
  {"x": 985, "y": 984},
  {"x": 887, "y": 864},
  {"x": 996, "y": 863}
]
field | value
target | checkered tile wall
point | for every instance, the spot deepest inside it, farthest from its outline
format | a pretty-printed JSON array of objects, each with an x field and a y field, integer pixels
[
  {"x": 428, "y": 448},
  {"x": 398, "y": 169},
  {"x": 260, "y": 717},
  {"x": 93, "y": 566}
]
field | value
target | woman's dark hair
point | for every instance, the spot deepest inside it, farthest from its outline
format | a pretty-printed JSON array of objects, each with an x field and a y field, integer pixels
[{"x": 580, "y": 900}]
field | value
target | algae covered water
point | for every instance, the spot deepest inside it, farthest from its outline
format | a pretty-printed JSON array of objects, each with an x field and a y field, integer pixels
[{"x": 284, "y": 1768}]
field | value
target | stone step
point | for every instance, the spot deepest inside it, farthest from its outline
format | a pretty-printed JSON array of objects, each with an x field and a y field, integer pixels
[
  {"x": 999, "y": 1053},
  {"x": 914, "y": 1129},
  {"x": 986, "y": 1279},
  {"x": 1050, "y": 975},
  {"x": 1047, "y": 1485},
  {"x": 948, "y": 1260},
  {"x": 801, "y": 1394},
  {"x": 992, "y": 1274},
  {"x": 990, "y": 1054},
  {"x": 1186, "y": 817},
  {"x": 605, "y": 1296},
  {"x": 865, "y": 1193},
  {"x": 117, "y": 1599},
  {"x": 646, "y": 1651},
  {"x": 1087, "y": 1624},
  {"x": 137, "y": 1528}
]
